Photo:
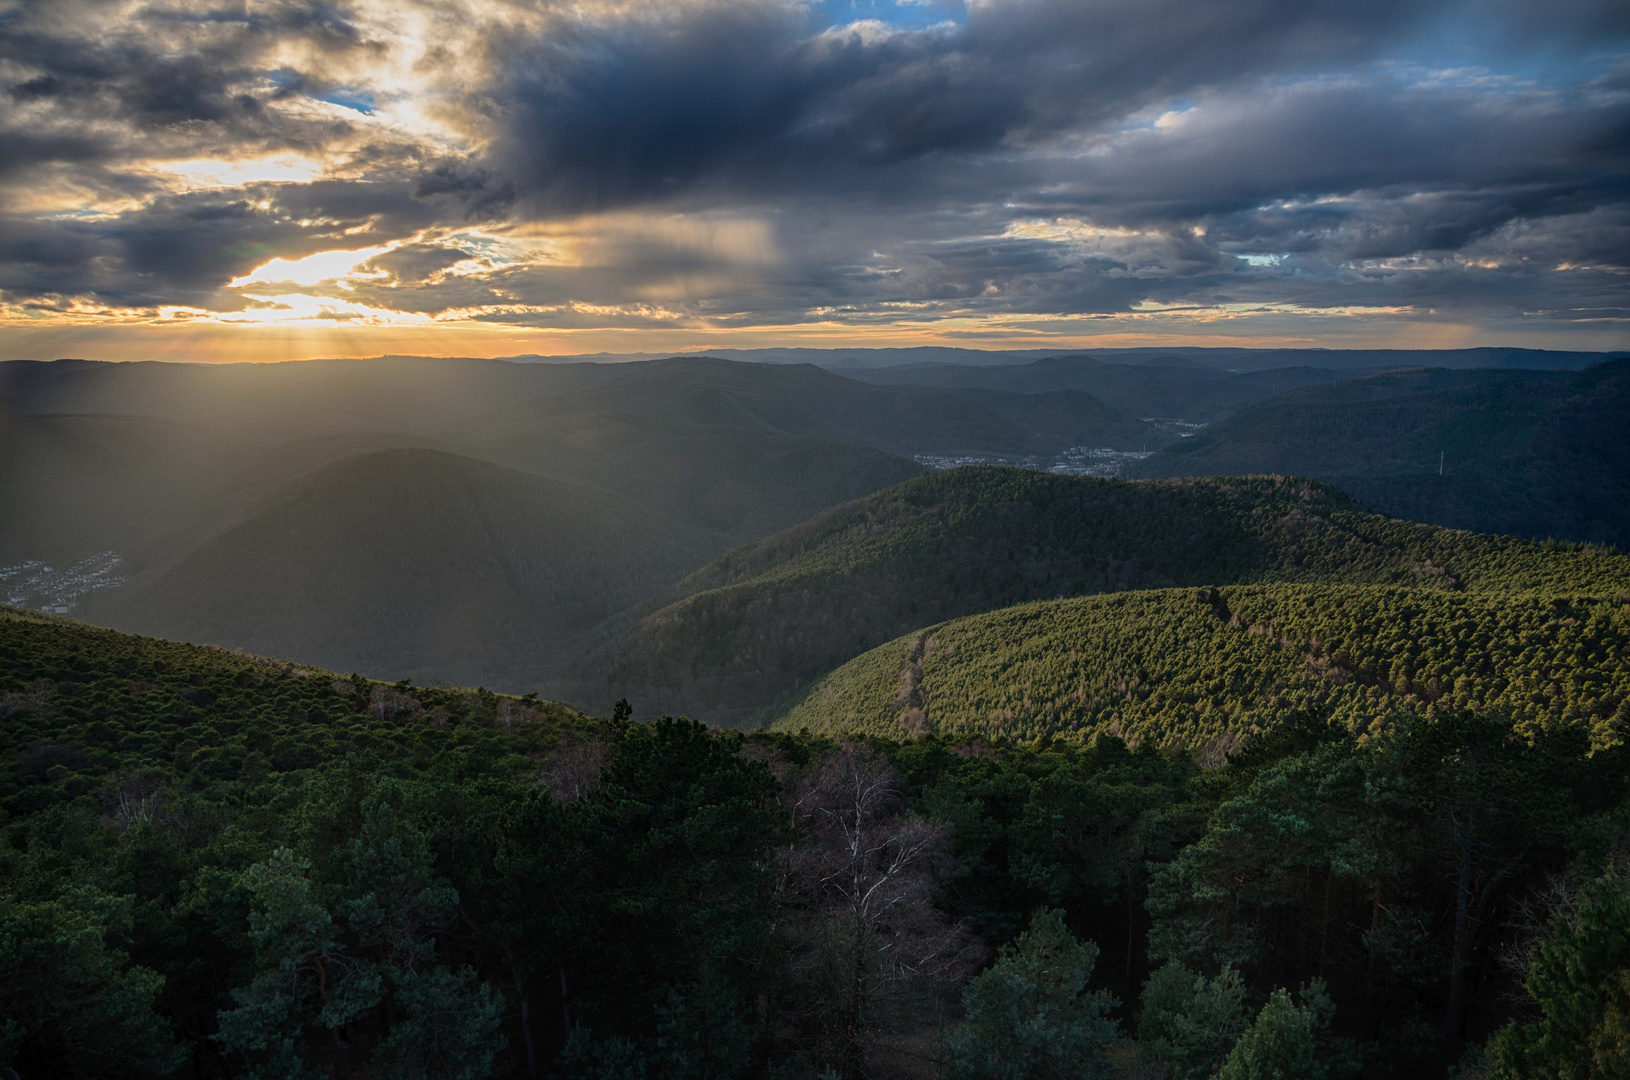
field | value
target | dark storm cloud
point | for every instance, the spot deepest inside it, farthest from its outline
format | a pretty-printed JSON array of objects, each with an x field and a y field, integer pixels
[
  {"x": 166, "y": 66},
  {"x": 1304, "y": 143},
  {"x": 596, "y": 115},
  {"x": 1042, "y": 157},
  {"x": 1327, "y": 175}
]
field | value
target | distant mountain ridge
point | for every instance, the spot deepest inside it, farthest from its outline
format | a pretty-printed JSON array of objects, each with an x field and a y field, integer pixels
[
  {"x": 743, "y": 449},
  {"x": 1228, "y": 357}
]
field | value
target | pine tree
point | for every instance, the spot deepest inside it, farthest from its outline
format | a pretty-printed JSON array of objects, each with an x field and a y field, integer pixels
[
  {"x": 1579, "y": 974},
  {"x": 1283, "y": 1043},
  {"x": 1031, "y": 1017},
  {"x": 1189, "y": 1022}
]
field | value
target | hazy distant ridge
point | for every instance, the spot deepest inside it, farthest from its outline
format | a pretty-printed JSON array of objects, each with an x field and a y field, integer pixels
[{"x": 1226, "y": 358}]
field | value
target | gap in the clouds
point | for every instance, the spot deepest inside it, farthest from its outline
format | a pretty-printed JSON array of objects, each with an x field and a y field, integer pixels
[
  {"x": 361, "y": 101},
  {"x": 1158, "y": 117},
  {"x": 497, "y": 251},
  {"x": 289, "y": 81},
  {"x": 901, "y": 13},
  {"x": 1466, "y": 45}
]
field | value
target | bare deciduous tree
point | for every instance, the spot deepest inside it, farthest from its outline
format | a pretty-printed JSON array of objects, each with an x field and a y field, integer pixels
[
  {"x": 573, "y": 768},
  {"x": 866, "y": 869},
  {"x": 389, "y": 703},
  {"x": 509, "y": 712},
  {"x": 132, "y": 798}
]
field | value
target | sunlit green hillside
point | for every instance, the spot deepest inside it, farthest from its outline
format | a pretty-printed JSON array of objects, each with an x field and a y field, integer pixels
[{"x": 1207, "y": 666}]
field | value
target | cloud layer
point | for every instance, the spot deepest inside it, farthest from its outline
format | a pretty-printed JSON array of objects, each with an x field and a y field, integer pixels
[{"x": 1000, "y": 167}]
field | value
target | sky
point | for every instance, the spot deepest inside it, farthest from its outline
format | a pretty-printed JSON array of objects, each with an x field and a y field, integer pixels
[{"x": 235, "y": 180}]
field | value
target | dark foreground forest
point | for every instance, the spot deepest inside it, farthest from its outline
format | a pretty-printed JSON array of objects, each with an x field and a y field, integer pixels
[{"x": 213, "y": 864}]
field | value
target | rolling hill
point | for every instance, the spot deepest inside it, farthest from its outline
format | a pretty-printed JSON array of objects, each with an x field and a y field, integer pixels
[
  {"x": 242, "y": 402},
  {"x": 415, "y": 563},
  {"x": 1530, "y": 454},
  {"x": 244, "y": 419},
  {"x": 465, "y": 399},
  {"x": 742, "y": 634},
  {"x": 1202, "y": 667}
]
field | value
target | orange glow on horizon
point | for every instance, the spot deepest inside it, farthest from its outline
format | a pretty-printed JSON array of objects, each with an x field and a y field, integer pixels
[{"x": 211, "y": 341}]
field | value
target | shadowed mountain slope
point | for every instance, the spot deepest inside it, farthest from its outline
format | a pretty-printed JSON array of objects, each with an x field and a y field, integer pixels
[
  {"x": 285, "y": 401},
  {"x": 1196, "y": 667},
  {"x": 191, "y": 481},
  {"x": 146, "y": 487},
  {"x": 415, "y": 562},
  {"x": 745, "y": 632},
  {"x": 1527, "y": 454}
]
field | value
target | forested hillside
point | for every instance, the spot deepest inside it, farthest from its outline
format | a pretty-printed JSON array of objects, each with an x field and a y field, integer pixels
[
  {"x": 81, "y": 705},
  {"x": 747, "y": 449},
  {"x": 1531, "y": 454},
  {"x": 77, "y": 484},
  {"x": 743, "y": 633},
  {"x": 216, "y": 864},
  {"x": 1206, "y": 667}
]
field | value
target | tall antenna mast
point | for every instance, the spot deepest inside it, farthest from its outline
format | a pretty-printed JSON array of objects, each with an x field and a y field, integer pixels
[{"x": 1440, "y": 462}]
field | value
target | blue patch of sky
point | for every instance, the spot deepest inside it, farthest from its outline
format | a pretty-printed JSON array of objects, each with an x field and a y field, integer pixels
[
  {"x": 901, "y": 13},
  {"x": 1556, "y": 54},
  {"x": 346, "y": 97},
  {"x": 475, "y": 244}
]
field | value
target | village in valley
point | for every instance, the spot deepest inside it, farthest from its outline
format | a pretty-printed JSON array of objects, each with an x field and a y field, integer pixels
[{"x": 35, "y": 584}]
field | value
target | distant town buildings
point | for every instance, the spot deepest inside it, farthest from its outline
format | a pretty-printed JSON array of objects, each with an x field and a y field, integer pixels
[
  {"x": 1095, "y": 461},
  {"x": 34, "y": 584},
  {"x": 1076, "y": 461}
]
